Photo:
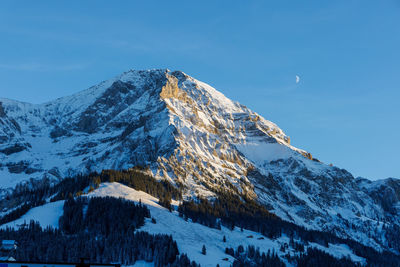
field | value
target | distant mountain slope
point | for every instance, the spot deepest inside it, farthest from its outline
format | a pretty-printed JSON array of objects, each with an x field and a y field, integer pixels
[{"x": 187, "y": 132}]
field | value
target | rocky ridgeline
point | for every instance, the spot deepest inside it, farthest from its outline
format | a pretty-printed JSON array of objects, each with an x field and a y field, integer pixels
[{"x": 187, "y": 132}]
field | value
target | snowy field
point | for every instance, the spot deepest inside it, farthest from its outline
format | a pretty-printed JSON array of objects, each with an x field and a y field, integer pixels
[
  {"x": 189, "y": 236},
  {"x": 142, "y": 264},
  {"x": 46, "y": 215}
]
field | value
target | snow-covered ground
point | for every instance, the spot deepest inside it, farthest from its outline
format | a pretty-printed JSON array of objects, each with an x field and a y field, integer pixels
[
  {"x": 189, "y": 236},
  {"x": 46, "y": 215},
  {"x": 142, "y": 264},
  {"x": 339, "y": 250}
]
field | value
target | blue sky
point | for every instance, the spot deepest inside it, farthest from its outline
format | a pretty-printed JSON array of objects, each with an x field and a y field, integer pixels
[{"x": 344, "y": 111}]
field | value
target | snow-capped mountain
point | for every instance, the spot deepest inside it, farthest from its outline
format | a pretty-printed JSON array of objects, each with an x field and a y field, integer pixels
[{"x": 187, "y": 132}]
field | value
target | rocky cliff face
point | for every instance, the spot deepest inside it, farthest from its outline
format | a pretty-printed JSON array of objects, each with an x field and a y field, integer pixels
[{"x": 189, "y": 133}]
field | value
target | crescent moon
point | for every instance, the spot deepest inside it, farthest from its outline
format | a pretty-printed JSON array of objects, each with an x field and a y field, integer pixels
[{"x": 297, "y": 78}]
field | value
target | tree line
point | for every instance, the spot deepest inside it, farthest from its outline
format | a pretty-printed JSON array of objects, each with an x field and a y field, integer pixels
[
  {"x": 103, "y": 230},
  {"x": 102, "y": 215},
  {"x": 34, "y": 193},
  {"x": 230, "y": 210},
  {"x": 235, "y": 210},
  {"x": 251, "y": 257}
]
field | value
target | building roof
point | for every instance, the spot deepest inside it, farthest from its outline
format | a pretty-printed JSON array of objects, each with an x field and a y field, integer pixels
[
  {"x": 8, "y": 242},
  {"x": 6, "y": 258}
]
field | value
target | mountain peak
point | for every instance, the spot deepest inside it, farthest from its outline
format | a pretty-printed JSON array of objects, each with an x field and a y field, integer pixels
[
  {"x": 186, "y": 132},
  {"x": 143, "y": 114}
]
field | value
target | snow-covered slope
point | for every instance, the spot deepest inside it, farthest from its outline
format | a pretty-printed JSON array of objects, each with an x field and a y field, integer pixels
[
  {"x": 47, "y": 215},
  {"x": 189, "y": 236},
  {"x": 187, "y": 132}
]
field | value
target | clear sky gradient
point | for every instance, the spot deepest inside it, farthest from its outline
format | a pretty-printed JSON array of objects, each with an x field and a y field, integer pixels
[{"x": 345, "y": 109}]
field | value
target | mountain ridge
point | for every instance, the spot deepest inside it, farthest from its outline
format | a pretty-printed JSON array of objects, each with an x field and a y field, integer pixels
[{"x": 190, "y": 134}]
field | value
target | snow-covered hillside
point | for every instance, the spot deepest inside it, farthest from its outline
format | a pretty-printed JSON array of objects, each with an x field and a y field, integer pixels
[
  {"x": 47, "y": 215},
  {"x": 189, "y": 236},
  {"x": 187, "y": 132}
]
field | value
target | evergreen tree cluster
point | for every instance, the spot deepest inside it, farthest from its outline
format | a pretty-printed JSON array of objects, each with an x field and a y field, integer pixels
[
  {"x": 235, "y": 210},
  {"x": 103, "y": 215},
  {"x": 165, "y": 201},
  {"x": 251, "y": 257},
  {"x": 17, "y": 213},
  {"x": 100, "y": 229},
  {"x": 33, "y": 190},
  {"x": 34, "y": 193},
  {"x": 393, "y": 236},
  {"x": 24, "y": 197},
  {"x": 52, "y": 245},
  {"x": 137, "y": 179},
  {"x": 316, "y": 257},
  {"x": 231, "y": 211},
  {"x": 134, "y": 178}
]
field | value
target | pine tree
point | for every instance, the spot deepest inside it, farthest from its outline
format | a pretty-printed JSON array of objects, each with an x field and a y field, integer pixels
[{"x": 204, "y": 250}]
